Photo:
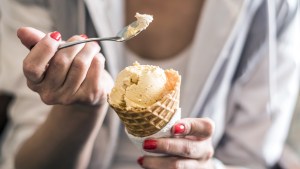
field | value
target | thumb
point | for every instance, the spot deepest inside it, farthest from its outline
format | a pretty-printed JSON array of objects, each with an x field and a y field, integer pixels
[
  {"x": 29, "y": 36},
  {"x": 199, "y": 127}
]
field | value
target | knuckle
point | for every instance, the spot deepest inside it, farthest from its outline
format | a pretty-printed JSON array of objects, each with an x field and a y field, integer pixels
[
  {"x": 99, "y": 59},
  {"x": 189, "y": 149},
  {"x": 60, "y": 61},
  {"x": 80, "y": 64},
  {"x": 167, "y": 145},
  {"x": 89, "y": 98},
  {"x": 32, "y": 86},
  {"x": 92, "y": 98},
  {"x": 47, "y": 98},
  {"x": 31, "y": 71}
]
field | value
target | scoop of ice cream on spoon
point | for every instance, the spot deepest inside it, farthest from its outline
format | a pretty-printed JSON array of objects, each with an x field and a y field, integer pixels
[
  {"x": 142, "y": 22},
  {"x": 128, "y": 32}
]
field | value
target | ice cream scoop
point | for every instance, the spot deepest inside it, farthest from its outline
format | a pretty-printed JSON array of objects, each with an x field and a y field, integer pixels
[
  {"x": 146, "y": 98},
  {"x": 138, "y": 87},
  {"x": 141, "y": 23}
]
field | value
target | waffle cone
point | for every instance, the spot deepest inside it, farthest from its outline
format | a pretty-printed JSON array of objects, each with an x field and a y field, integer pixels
[{"x": 145, "y": 122}]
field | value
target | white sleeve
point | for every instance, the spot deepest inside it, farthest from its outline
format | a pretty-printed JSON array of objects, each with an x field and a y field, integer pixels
[
  {"x": 27, "y": 111},
  {"x": 263, "y": 106}
]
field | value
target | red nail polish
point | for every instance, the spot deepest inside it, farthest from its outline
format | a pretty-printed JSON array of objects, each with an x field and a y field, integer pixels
[
  {"x": 84, "y": 36},
  {"x": 179, "y": 128},
  {"x": 150, "y": 144},
  {"x": 55, "y": 35},
  {"x": 140, "y": 161}
]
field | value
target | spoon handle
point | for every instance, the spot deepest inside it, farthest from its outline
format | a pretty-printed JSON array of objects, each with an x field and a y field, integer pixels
[{"x": 68, "y": 44}]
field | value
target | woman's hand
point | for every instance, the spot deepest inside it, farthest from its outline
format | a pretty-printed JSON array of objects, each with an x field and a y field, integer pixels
[
  {"x": 68, "y": 76},
  {"x": 191, "y": 147},
  {"x": 75, "y": 82}
]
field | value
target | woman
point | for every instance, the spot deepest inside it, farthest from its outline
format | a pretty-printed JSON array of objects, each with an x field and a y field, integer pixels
[{"x": 238, "y": 66}]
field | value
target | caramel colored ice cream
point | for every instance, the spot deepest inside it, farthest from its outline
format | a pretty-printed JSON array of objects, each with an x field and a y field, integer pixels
[
  {"x": 142, "y": 22},
  {"x": 146, "y": 98},
  {"x": 138, "y": 87}
]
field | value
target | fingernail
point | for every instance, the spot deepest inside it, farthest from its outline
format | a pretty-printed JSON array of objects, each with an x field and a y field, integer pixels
[
  {"x": 150, "y": 144},
  {"x": 140, "y": 161},
  {"x": 84, "y": 36},
  {"x": 179, "y": 128},
  {"x": 55, "y": 35}
]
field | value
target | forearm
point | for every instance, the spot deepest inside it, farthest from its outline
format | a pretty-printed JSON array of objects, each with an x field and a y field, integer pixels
[{"x": 65, "y": 140}]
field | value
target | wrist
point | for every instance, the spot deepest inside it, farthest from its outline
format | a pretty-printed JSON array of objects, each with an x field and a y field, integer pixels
[
  {"x": 74, "y": 116},
  {"x": 78, "y": 113},
  {"x": 80, "y": 108}
]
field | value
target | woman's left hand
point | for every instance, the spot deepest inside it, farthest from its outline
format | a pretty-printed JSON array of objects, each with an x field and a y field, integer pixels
[{"x": 191, "y": 147}]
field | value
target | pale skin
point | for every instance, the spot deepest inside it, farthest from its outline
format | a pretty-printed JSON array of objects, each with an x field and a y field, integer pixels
[
  {"x": 75, "y": 82},
  {"x": 173, "y": 20}
]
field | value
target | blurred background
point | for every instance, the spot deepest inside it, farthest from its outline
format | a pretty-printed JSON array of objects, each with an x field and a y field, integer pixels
[{"x": 291, "y": 154}]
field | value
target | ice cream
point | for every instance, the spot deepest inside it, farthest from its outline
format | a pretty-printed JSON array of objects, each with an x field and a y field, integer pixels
[
  {"x": 146, "y": 98},
  {"x": 142, "y": 22},
  {"x": 138, "y": 86}
]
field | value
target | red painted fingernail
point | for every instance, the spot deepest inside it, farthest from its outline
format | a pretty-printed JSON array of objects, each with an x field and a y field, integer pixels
[
  {"x": 84, "y": 36},
  {"x": 55, "y": 35},
  {"x": 179, "y": 128},
  {"x": 140, "y": 161},
  {"x": 150, "y": 144}
]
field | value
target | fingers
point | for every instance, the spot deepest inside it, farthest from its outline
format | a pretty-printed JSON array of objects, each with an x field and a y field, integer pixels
[
  {"x": 36, "y": 62},
  {"x": 67, "y": 76},
  {"x": 60, "y": 64},
  {"x": 81, "y": 65},
  {"x": 93, "y": 84},
  {"x": 29, "y": 36},
  {"x": 194, "y": 141},
  {"x": 182, "y": 147},
  {"x": 152, "y": 162},
  {"x": 199, "y": 127}
]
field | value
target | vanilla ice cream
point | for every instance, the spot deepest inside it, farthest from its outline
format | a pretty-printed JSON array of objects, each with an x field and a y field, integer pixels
[
  {"x": 146, "y": 99},
  {"x": 142, "y": 22},
  {"x": 138, "y": 87}
]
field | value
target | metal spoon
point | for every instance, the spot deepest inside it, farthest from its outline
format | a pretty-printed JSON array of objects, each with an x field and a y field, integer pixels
[{"x": 121, "y": 36}]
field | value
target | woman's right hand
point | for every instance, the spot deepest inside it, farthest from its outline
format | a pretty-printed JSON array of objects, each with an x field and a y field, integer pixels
[{"x": 73, "y": 75}]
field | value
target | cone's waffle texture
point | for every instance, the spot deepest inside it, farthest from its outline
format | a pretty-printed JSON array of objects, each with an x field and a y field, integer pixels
[{"x": 145, "y": 122}]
